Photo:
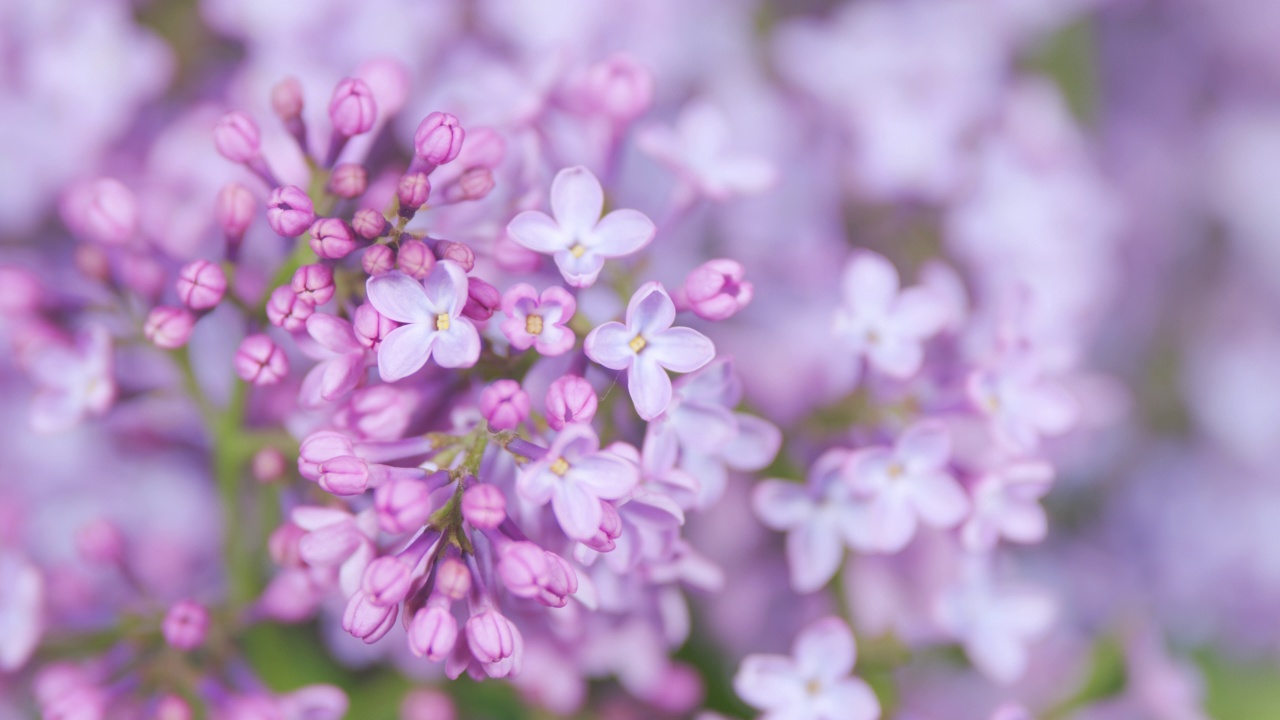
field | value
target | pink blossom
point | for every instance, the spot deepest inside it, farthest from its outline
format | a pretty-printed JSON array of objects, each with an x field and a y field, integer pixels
[
  {"x": 201, "y": 284},
  {"x": 352, "y": 109},
  {"x": 877, "y": 321},
  {"x": 73, "y": 382},
  {"x": 577, "y": 237},
  {"x": 538, "y": 321},
  {"x": 169, "y": 327},
  {"x": 1006, "y": 504},
  {"x": 102, "y": 210},
  {"x": 237, "y": 137},
  {"x": 433, "y": 323},
  {"x": 439, "y": 138},
  {"x": 504, "y": 404},
  {"x": 186, "y": 624},
  {"x": 259, "y": 361},
  {"x": 337, "y": 538},
  {"x": 995, "y": 625},
  {"x": 343, "y": 367},
  {"x": 698, "y": 148},
  {"x": 715, "y": 290},
  {"x": 575, "y": 475},
  {"x": 495, "y": 642},
  {"x": 1022, "y": 404},
  {"x": 289, "y": 211}
]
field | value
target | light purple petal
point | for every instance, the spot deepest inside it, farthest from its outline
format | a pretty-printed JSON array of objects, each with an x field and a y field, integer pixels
[
  {"x": 939, "y": 499},
  {"x": 309, "y": 394},
  {"x": 333, "y": 333},
  {"x": 607, "y": 476},
  {"x": 579, "y": 271},
  {"x": 755, "y": 446},
  {"x": 650, "y": 387},
  {"x": 621, "y": 233},
  {"x": 459, "y": 346},
  {"x": 849, "y": 699},
  {"x": 576, "y": 200},
  {"x": 538, "y": 232},
  {"x": 1023, "y": 522},
  {"x": 869, "y": 284},
  {"x": 577, "y": 510},
  {"x": 1054, "y": 410},
  {"x": 608, "y": 346},
  {"x": 650, "y": 310},
  {"x": 868, "y": 470},
  {"x": 446, "y": 288},
  {"x": 536, "y": 483},
  {"x": 555, "y": 340},
  {"x": 896, "y": 357},
  {"x": 892, "y": 521},
  {"x": 924, "y": 446},
  {"x": 55, "y": 410},
  {"x": 825, "y": 650},
  {"x": 781, "y": 505},
  {"x": 768, "y": 681},
  {"x": 405, "y": 350},
  {"x": 681, "y": 349},
  {"x": 341, "y": 375},
  {"x": 558, "y": 303},
  {"x": 398, "y": 297},
  {"x": 813, "y": 554},
  {"x": 918, "y": 313}
]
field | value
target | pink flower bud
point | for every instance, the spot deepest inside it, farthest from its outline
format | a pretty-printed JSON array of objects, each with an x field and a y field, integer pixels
[
  {"x": 201, "y": 284},
  {"x": 236, "y": 137},
  {"x": 608, "y": 532},
  {"x": 349, "y": 180},
  {"x": 144, "y": 274},
  {"x": 100, "y": 541},
  {"x": 484, "y": 506},
  {"x": 619, "y": 88},
  {"x": 439, "y": 138},
  {"x": 403, "y": 505},
  {"x": 103, "y": 210},
  {"x": 370, "y": 326},
  {"x": 286, "y": 99},
  {"x": 415, "y": 259},
  {"x": 482, "y": 300},
  {"x": 379, "y": 412},
  {"x": 715, "y": 289},
  {"x": 352, "y": 109},
  {"x": 387, "y": 580},
  {"x": 259, "y": 361},
  {"x": 559, "y": 583},
  {"x": 169, "y": 327},
  {"x": 172, "y": 707},
  {"x": 313, "y": 283},
  {"x": 504, "y": 404},
  {"x": 453, "y": 579},
  {"x": 457, "y": 252},
  {"x": 428, "y": 704},
  {"x": 412, "y": 192},
  {"x": 268, "y": 464},
  {"x": 344, "y": 475},
  {"x": 570, "y": 399},
  {"x": 433, "y": 633},
  {"x": 185, "y": 625},
  {"x": 331, "y": 239},
  {"x": 378, "y": 260},
  {"x": 291, "y": 596},
  {"x": 320, "y": 446},
  {"x": 523, "y": 568},
  {"x": 474, "y": 184},
  {"x": 283, "y": 545},
  {"x": 289, "y": 211},
  {"x": 234, "y": 209},
  {"x": 288, "y": 311},
  {"x": 485, "y": 148},
  {"x": 370, "y": 224},
  {"x": 491, "y": 636},
  {"x": 367, "y": 621}
]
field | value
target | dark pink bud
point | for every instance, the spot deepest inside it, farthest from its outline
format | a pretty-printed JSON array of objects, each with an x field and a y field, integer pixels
[
  {"x": 457, "y": 252},
  {"x": 286, "y": 99},
  {"x": 352, "y": 109},
  {"x": 367, "y": 621},
  {"x": 234, "y": 209},
  {"x": 439, "y": 138},
  {"x": 412, "y": 192},
  {"x": 619, "y": 88},
  {"x": 103, "y": 210},
  {"x": 283, "y": 545},
  {"x": 504, "y": 404},
  {"x": 484, "y": 506},
  {"x": 415, "y": 259},
  {"x": 344, "y": 475},
  {"x": 370, "y": 224},
  {"x": 559, "y": 583},
  {"x": 313, "y": 283},
  {"x": 172, "y": 707},
  {"x": 474, "y": 184},
  {"x": 288, "y": 311},
  {"x": 453, "y": 579},
  {"x": 259, "y": 361},
  {"x": 427, "y": 704},
  {"x": 320, "y": 446},
  {"x": 387, "y": 580},
  {"x": 523, "y": 568},
  {"x": 236, "y": 137},
  {"x": 608, "y": 532},
  {"x": 185, "y": 625},
  {"x": 570, "y": 399},
  {"x": 371, "y": 326},
  {"x": 201, "y": 284},
  {"x": 715, "y": 290},
  {"x": 100, "y": 541},
  {"x": 433, "y": 633},
  {"x": 378, "y": 260},
  {"x": 268, "y": 464},
  {"x": 92, "y": 262},
  {"x": 349, "y": 180},
  {"x": 169, "y": 327},
  {"x": 289, "y": 211},
  {"x": 403, "y": 505},
  {"x": 491, "y": 636},
  {"x": 331, "y": 239},
  {"x": 482, "y": 300}
]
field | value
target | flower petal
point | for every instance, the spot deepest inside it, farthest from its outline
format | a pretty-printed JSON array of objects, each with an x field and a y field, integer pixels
[
  {"x": 576, "y": 201},
  {"x": 538, "y": 232},
  {"x": 459, "y": 346},
  {"x": 405, "y": 350},
  {"x": 681, "y": 349},
  {"x": 939, "y": 499},
  {"x": 813, "y": 554},
  {"x": 607, "y": 345},
  {"x": 621, "y": 233},
  {"x": 849, "y": 699},
  {"x": 869, "y": 284},
  {"x": 755, "y": 446},
  {"x": 341, "y": 374},
  {"x": 650, "y": 387},
  {"x": 896, "y": 357},
  {"x": 918, "y": 313},
  {"x": 924, "y": 446},
  {"x": 650, "y": 310},
  {"x": 607, "y": 476},
  {"x": 579, "y": 271},
  {"x": 577, "y": 510},
  {"x": 555, "y": 340},
  {"x": 781, "y": 505},
  {"x": 768, "y": 681},
  {"x": 398, "y": 297},
  {"x": 825, "y": 650},
  {"x": 333, "y": 333},
  {"x": 446, "y": 288}
]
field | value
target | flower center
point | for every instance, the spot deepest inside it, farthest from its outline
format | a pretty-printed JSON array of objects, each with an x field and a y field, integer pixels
[
  {"x": 896, "y": 471},
  {"x": 442, "y": 321},
  {"x": 533, "y": 324},
  {"x": 637, "y": 344},
  {"x": 560, "y": 467},
  {"x": 813, "y": 687},
  {"x": 578, "y": 250}
]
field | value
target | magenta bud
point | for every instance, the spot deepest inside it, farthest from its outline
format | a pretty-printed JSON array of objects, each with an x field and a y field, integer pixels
[
  {"x": 313, "y": 283},
  {"x": 403, "y": 505},
  {"x": 331, "y": 239},
  {"x": 320, "y": 446},
  {"x": 474, "y": 184},
  {"x": 349, "y": 180},
  {"x": 370, "y": 224},
  {"x": 453, "y": 579},
  {"x": 504, "y": 404},
  {"x": 412, "y": 192},
  {"x": 234, "y": 209},
  {"x": 344, "y": 475},
  {"x": 378, "y": 260},
  {"x": 289, "y": 211},
  {"x": 201, "y": 284},
  {"x": 570, "y": 399},
  {"x": 367, "y": 621},
  {"x": 439, "y": 138},
  {"x": 619, "y": 87},
  {"x": 484, "y": 506},
  {"x": 559, "y": 583},
  {"x": 172, "y": 707},
  {"x": 352, "y": 109},
  {"x": 185, "y": 625},
  {"x": 371, "y": 326},
  {"x": 433, "y": 633},
  {"x": 491, "y": 636},
  {"x": 259, "y": 361},
  {"x": 608, "y": 532},
  {"x": 387, "y": 580},
  {"x": 715, "y": 289},
  {"x": 92, "y": 262},
  {"x": 286, "y": 99},
  {"x": 482, "y": 300},
  {"x": 169, "y": 327},
  {"x": 415, "y": 259},
  {"x": 236, "y": 137},
  {"x": 288, "y": 311},
  {"x": 268, "y": 464},
  {"x": 523, "y": 568},
  {"x": 103, "y": 211},
  {"x": 100, "y": 541},
  {"x": 457, "y": 252},
  {"x": 428, "y": 704}
]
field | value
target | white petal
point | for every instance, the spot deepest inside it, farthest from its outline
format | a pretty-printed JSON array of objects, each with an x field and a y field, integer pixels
[
  {"x": 576, "y": 200},
  {"x": 621, "y": 233},
  {"x": 680, "y": 349},
  {"x": 650, "y": 387},
  {"x": 825, "y": 650},
  {"x": 537, "y": 231},
  {"x": 405, "y": 350}
]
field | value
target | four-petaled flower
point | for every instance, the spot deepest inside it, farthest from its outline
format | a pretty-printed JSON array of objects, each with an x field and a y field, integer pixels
[
  {"x": 1006, "y": 503},
  {"x": 647, "y": 346},
  {"x": 433, "y": 323},
  {"x": 538, "y": 321},
  {"x": 1021, "y": 403},
  {"x": 577, "y": 237},
  {"x": 575, "y": 476},
  {"x": 698, "y": 149},
  {"x": 878, "y": 322},
  {"x": 342, "y": 360},
  {"x": 814, "y": 683},
  {"x": 74, "y": 382}
]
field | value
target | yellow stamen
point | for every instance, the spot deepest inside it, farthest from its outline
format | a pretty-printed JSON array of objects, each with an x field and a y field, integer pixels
[
  {"x": 560, "y": 467},
  {"x": 637, "y": 344},
  {"x": 896, "y": 471},
  {"x": 578, "y": 250},
  {"x": 442, "y": 321},
  {"x": 533, "y": 324}
]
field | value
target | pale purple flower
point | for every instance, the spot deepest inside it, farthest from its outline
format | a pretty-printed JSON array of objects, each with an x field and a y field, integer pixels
[
  {"x": 1006, "y": 503},
  {"x": 577, "y": 237},
  {"x": 1022, "y": 404},
  {"x": 237, "y": 137},
  {"x": 343, "y": 368},
  {"x": 647, "y": 346},
  {"x": 433, "y": 632},
  {"x": 814, "y": 683},
  {"x": 233, "y": 210},
  {"x": 699, "y": 149},
  {"x": 367, "y": 620},
  {"x": 336, "y": 538},
  {"x": 538, "y": 321},
  {"x": 575, "y": 476},
  {"x": 570, "y": 399},
  {"x": 904, "y": 484},
  {"x": 314, "y": 702},
  {"x": 21, "y": 610},
  {"x": 433, "y": 323},
  {"x": 877, "y": 321},
  {"x": 73, "y": 382},
  {"x": 185, "y": 625},
  {"x": 995, "y": 625}
]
